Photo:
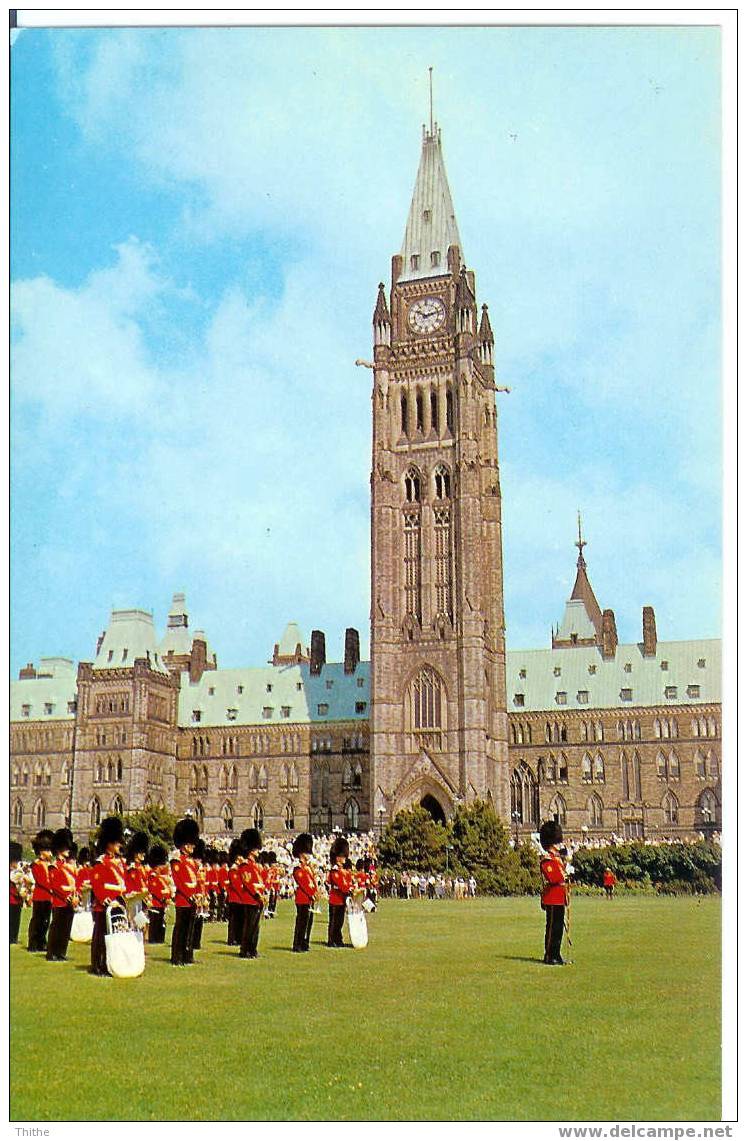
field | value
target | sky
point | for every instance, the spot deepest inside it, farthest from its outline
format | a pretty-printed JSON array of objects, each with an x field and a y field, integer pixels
[{"x": 199, "y": 221}]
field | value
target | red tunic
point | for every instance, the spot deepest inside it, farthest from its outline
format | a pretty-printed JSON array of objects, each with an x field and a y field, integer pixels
[
  {"x": 159, "y": 888},
  {"x": 15, "y": 897},
  {"x": 608, "y": 879},
  {"x": 136, "y": 878},
  {"x": 223, "y": 877},
  {"x": 83, "y": 877},
  {"x": 340, "y": 883},
  {"x": 360, "y": 880},
  {"x": 186, "y": 883},
  {"x": 554, "y": 889},
  {"x": 61, "y": 882},
  {"x": 235, "y": 894},
  {"x": 306, "y": 885},
  {"x": 253, "y": 883},
  {"x": 107, "y": 881},
  {"x": 40, "y": 872}
]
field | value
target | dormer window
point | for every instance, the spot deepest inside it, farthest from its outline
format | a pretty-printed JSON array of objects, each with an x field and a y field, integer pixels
[
  {"x": 556, "y": 671},
  {"x": 111, "y": 655},
  {"x": 435, "y": 258},
  {"x": 426, "y": 216},
  {"x": 231, "y": 714},
  {"x": 665, "y": 665},
  {"x": 522, "y": 673},
  {"x": 415, "y": 261},
  {"x": 701, "y": 663},
  {"x": 628, "y": 668}
]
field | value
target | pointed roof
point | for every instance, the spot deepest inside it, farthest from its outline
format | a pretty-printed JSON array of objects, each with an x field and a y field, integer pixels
[
  {"x": 486, "y": 331},
  {"x": 582, "y": 620},
  {"x": 381, "y": 312},
  {"x": 431, "y": 224},
  {"x": 129, "y": 635}
]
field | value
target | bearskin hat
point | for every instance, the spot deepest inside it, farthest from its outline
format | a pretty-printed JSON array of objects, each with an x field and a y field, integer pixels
[
  {"x": 110, "y": 832},
  {"x": 43, "y": 841},
  {"x": 186, "y": 831},
  {"x": 360, "y": 865},
  {"x": 199, "y": 852},
  {"x": 157, "y": 856},
  {"x": 270, "y": 859},
  {"x": 73, "y": 850},
  {"x": 340, "y": 847},
  {"x": 236, "y": 848},
  {"x": 16, "y": 851},
  {"x": 62, "y": 841},
  {"x": 550, "y": 833},
  {"x": 303, "y": 845},
  {"x": 84, "y": 855},
  {"x": 252, "y": 838},
  {"x": 137, "y": 845}
]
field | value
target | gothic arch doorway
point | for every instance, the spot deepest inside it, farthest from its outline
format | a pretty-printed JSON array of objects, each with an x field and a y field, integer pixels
[{"x": 431, "y": 805}]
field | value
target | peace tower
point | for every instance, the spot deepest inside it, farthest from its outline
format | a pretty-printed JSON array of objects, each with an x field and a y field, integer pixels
[{"x": 438, "y": 675}]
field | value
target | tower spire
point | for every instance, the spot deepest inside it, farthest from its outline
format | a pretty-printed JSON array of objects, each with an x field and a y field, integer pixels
[
  {"x": 581, "y": 543},
  {"x": 431, "y": 228},
  {"x": 430, "y": 88}
]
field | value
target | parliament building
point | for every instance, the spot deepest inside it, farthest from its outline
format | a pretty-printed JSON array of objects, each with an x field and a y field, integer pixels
[{"x": 607, "y": 738}]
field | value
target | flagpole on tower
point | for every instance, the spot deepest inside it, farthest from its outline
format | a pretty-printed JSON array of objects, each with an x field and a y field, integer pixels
[{"x": 430, "y": 90}]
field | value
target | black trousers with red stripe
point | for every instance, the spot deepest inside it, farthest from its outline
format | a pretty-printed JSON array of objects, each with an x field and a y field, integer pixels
[
  {"x": 554, "y": 919},
  {"x": 250, "y": 934},
  {"x": 302, "y": 930},
  {"x": 59, "y": 932},
  {"x": 157, "y": 925},
  {"x": 41, "y": 913}
]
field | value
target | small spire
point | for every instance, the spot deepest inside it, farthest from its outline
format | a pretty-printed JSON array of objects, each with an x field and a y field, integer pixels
[
  {"x": 581, "y": 543},
  {"x": 486, "y": 332},
  {"x": 381, "y": 312}
]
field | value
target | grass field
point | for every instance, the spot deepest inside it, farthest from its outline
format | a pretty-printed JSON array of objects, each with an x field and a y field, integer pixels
[{"x": 448, "y": 1014}]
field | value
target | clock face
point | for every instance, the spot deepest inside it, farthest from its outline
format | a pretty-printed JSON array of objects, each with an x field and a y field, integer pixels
[{"x": 426, "y": 315}]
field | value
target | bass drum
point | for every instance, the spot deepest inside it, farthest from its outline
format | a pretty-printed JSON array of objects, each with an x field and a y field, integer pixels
[
  {"x": 82, "y": 928},
  {"x": 358, "y": 929}
]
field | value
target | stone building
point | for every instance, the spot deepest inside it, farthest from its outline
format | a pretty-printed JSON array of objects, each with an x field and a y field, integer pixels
[{"x": 607, "y": 737}]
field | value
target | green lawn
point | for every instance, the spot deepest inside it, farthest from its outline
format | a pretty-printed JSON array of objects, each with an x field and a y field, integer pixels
[{"x": 448, "y": 1014}]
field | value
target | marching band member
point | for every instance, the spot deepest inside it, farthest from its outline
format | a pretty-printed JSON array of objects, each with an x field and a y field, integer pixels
[
  {"x": 360, "y": 876},
  {"x": 372, "y": 881},
  {"x": 223, "y": 863},
  {"x": 201, "y": 898},
  {"x": 16, "y": 889},
  {"x": 62, "y": 884},
  {"x": 340, "y": 883},
  {"x": 160, "y": 891},
  {"x": 136, "y": 874},
  {"x": 254, "y": 894},
  {"x": 186, "y": 884},
  {"x": 306, "y": 892},
  {"x": 107, "y": 884},
  {"x": 41, "y": 900},
  {"x": 234, "y": 893},
  {"x": 83, "y": 872},
  {"x": 213, "y": 883},
  {"x": 554, "y": 891},
  {"x": 273, "y": 883}
]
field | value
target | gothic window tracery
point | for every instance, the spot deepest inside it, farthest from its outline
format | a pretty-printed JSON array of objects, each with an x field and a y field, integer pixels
[{"x": 524, "y": 796}]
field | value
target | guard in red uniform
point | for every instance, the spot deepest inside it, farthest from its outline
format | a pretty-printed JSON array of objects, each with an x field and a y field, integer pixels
[
  {"x": 41, "y": 900},
  {"x": 186, "y": 887},
  {"x": 234, "y": 892},
  {"x": 254, "y": 894},
  {"x": 201, "y": 898},
  {"x": 16, "y": 899},
  {"x": 306, "y": 893},
  {"x": 107, "y": 884},
  {"x": 160, "y": 891},
  {"x": 608, "y": 882},
  {"x": 223, "y": 864},
  {"x": 136, "y": 874},
  {"x": 554, "y": 890},
  {"x": 83, "y": 872},
  {"x": 62, "y": 884},
  {"x": 340, "y": 884},
  {"x": 272, "y": 883}
]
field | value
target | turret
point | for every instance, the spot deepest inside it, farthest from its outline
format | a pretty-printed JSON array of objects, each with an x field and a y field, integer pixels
[
  {"x": 382, "y": 322},
  {"x": 485, "y": 339},
  {"x": 464, "y": 305}
]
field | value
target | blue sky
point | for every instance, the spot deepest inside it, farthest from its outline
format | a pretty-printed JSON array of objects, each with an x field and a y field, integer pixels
[{"x": 199, "y": 222}]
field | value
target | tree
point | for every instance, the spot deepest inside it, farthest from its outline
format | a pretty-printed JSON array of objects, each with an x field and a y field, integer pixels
[
  {"x": 157, "y": 822},
  {"x": 413, "y": 840},
  {"x": 481, "y": 849}
]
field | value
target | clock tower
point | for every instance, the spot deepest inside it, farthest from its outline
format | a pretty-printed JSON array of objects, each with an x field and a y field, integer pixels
[{"x": 438, "y": 687}]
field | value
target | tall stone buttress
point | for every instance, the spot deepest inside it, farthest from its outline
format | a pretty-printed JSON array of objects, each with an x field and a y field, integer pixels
[{"x": 438, "y": 685}]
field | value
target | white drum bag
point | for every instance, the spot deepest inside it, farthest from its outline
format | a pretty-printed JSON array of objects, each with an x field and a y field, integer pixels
[
  {"x": 82, "y": 928},
  {"x": 125, "y": 952},
  {"x": 357, "y": 929}
]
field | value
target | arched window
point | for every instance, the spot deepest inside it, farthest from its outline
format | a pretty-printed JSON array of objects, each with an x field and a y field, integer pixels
[
  {"x": 226, "y": 814},
  {"x": 223, "y": 778},
  {"x": 674, "y": 766},
  {"x": 204, "y": 781},
  {"x": 16, "y": 780},
  {"x": 412, "y": 485},
  {"x": 586, "y": 770},
  {"x": 117, "y": 807},
  {"x": 541, "y": 770},
  {"x": 66, "y": 813},
  {"x": 347, "y": 774},
  {"x": 661, "y": 765},
  {"x": 25, "y": 779},
  {"x": 262, "y": 778},
  {"x": 284, "y": 776},
  {"x": 119, "y": 768},
  {"x": 40, "y": 813},
  {"x": 557, "y": 808},
  {"x": 524, "y": 796},
  {"x": 194, "y": 746},
  {"x": 38, "y": 773},
  {"x": 700, "y": 765},
  {"x": 403, "y": 413},
  {"x": 233, "y": 781},
  {"x": 657, "y": 727},
  {"x": 199, "y": 813},
  {"x": 293, "y": 777},
  {"x": 706, "y": 808},
  {"x": 357, "y": 775},
  {"x": 64, "y": 775},
  {"x": 434, "y": 411},
  {"x": 18, "y": 814},
  {"x": 599, "y": 768},
  {"x": 713, "y": 767},
  {"x": 450, "y": 410},
  {"x": 258, "y": 816},
  {"x": 427, "y": 701},
  {"x": 594, "y": 811},
  {"x": 671, "y": 807},
  {"x": 352, "y": 814},
  {"x": 94, "y": 812},
  {"x": 419, "y": 412},
  {"x": 289, "y": 818},
  {"x": 252, "y": 776},
  {"x": 109, "y": 771},
  {"x": 47, "y": 773},
  {"x": 443, "y": 483}
]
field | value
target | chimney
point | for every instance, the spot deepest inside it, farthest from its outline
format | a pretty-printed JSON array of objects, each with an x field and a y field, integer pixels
[
  {"x": 609, "y": 634},
  {"x": 649, "y": 632},
  {"x": 197, "y": 658},
  {"x": 318, "y": 652},
  {"x": 352, "y": 650},
  {"x": 27, "y": 672}
]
